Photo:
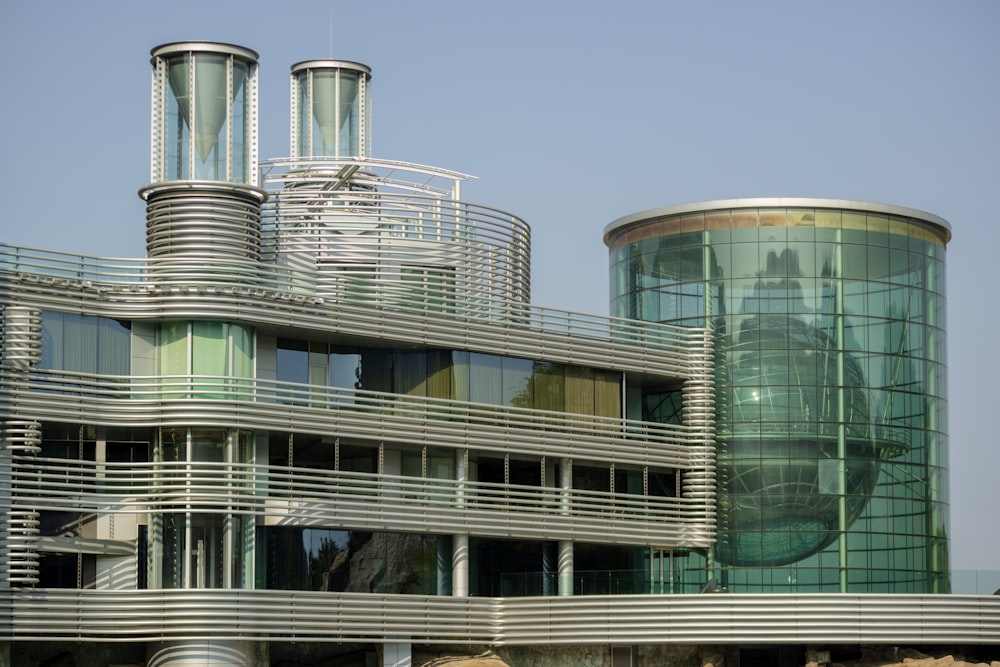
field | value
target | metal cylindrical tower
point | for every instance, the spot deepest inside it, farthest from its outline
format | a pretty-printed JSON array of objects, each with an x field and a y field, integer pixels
[{"x": 203, "y": 198}]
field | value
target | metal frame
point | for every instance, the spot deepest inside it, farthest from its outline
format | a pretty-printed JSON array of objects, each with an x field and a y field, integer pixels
[{"x": 626, "y": 221}]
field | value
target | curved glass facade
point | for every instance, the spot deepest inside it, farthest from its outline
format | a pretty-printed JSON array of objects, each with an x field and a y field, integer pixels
[{"x": 830, "y": 377}]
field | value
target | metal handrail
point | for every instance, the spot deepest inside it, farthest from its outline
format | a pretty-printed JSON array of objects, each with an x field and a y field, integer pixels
[
  {"x": 159, "y": 276},
  {"x": 366, "y": 501},
  {"x": 213, "y": 399},
  {"x": 286, "y": 616}
]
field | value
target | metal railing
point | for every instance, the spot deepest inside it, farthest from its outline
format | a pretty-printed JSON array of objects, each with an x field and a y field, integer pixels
[
  {"x": 364, "y": 501},
  {"x": 378, "y": 416},
  {"x": 284, "y": 616},
  {"x": 163, "y": 287}
]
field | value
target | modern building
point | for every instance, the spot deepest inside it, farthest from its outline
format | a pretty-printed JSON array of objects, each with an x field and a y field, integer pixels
[{"x": 321, "y": 422}]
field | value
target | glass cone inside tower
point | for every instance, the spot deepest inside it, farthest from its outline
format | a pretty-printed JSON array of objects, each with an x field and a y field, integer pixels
[
  {"x": 203, "y": 109},
  {"x": 335, "y": 109}
]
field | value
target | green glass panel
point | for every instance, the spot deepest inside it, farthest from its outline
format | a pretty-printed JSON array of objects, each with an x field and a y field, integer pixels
[{"x": 209, "y": 358}]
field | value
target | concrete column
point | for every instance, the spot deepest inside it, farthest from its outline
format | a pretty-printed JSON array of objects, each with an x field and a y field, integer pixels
[
  {"x": 565, "y": 576},
  {"x": 460, "y": 543},
  {"x": 565, "y": 567}
]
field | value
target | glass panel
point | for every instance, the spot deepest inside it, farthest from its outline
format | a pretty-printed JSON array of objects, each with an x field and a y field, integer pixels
[
  {"x": 209, "y": 358},
  {"x": 345, "y": 369},
  {"x": 319, "y": 370},
  {"x": 242, "y": 354},
  {"x": 85, "y": 344},
  {"x": 207, "y": 555},
  {"x": 114, "y": 341},
  {"x": 177, "y": 130},
  {"x": 211, "y": 106},
  {"x": 324, "y": 113},
  {"x": 349, "y": 114},
  {"x": 506, "y": 567},
  {"x": 239, "y": 169},
  {"x": 485, "y": 379},
  {"x": 304, "y": 121},
  {"x": 326, "y": 559},
  {"x": 411, "y": 373},
  {"x": 293, "y": 361},
  {"x": 172, "y": 348},
  {"x": 548, "y": 387},
  {"x": 580, "y": 390},
  {"x": 517, "y": 382},
  {"x": 607, "y": 394},
  {"x": 439, "y": 374}
]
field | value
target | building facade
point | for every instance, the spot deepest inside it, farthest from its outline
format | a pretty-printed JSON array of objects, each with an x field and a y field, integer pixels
[{"x": 321, "y": 421}]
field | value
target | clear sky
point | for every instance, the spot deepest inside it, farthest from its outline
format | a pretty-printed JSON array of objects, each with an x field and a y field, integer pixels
[{"x": 571, "y": 114}]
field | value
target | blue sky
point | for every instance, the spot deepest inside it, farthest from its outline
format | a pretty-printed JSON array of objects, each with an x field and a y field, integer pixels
[{"x": 571, "y": 114}]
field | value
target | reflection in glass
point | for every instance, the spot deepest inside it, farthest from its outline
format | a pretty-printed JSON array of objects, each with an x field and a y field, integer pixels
[{"x": 831, "y": 395}]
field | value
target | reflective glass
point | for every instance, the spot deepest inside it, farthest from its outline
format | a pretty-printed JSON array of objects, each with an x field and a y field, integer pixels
[
  {"x": 176, "y": 128},
  {"x": 85, "y": 344},
  {"x": 828, "y": 327},
  {"x": 241, "y": 113}
]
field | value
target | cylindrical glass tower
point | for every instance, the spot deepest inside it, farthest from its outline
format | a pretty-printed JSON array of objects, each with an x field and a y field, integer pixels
[
  {"x": 830, "y": 374},
  {"x": 202, "y": 199},
  {"x": 204, "y": 113},
  {"x": 331, "y": 109}
]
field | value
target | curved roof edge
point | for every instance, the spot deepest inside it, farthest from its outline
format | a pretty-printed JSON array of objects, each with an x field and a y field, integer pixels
[
  {"x": 331, "y": 63},
  {"x": 203, "y": 46},
  {"x": 776, "y": 202}
]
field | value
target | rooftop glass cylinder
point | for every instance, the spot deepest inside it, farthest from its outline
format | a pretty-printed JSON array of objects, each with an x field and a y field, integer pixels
[
  {"x": 204, "y": 113},
  {"x": 331, "y": 109}
]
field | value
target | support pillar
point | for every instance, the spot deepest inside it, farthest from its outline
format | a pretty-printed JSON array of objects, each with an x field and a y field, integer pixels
[
  {"x": 565, "y": 567},
  {"x": 565, "y": 577},
  {"x": 460, "y": 543},
  {"x": 460, "y": 566}
]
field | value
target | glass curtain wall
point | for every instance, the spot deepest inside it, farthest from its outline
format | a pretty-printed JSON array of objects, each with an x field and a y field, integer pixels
[
  {"x": 85, "y": 344},
  {"x": 198, "y": 540},
  {"x": 205, "y": 359},
  {"x": 451, "y": 374},
  {"x": 831, "y": 387}
]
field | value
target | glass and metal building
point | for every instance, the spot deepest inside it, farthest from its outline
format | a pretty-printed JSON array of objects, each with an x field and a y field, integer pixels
[
  {"x": 830, "y": 372},
  {"x": 321, "y": 421}
]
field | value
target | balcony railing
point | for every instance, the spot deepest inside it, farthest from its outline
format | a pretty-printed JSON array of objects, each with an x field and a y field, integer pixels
[
  {"x": 298, "y": 496},
  {"x": 214, "y": 400},
  {"x": 259, "y": 615},
  {"x": 140, "y": 280}
]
